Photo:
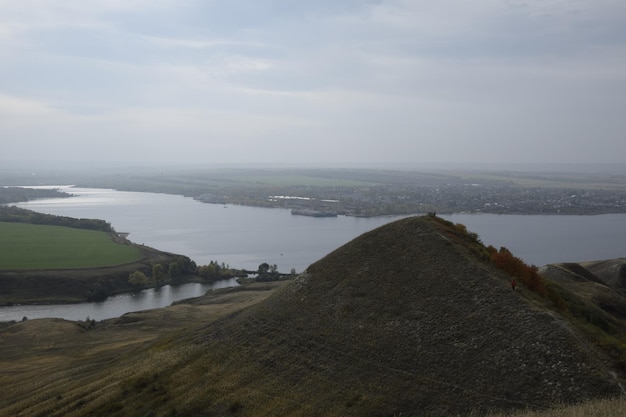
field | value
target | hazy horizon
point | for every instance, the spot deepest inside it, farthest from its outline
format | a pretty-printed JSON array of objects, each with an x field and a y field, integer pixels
[
  {"x": 46, "y": 167},
  {"x": 386, "y": 83}
]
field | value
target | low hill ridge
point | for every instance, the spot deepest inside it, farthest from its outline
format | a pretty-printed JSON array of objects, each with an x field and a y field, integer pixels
[
  {"x": 403, "y": 319},
  {"x": 596, "y": 293}
]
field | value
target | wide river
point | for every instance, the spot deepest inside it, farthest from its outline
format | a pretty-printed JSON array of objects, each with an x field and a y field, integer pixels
[{"x": 245, "y": 237}]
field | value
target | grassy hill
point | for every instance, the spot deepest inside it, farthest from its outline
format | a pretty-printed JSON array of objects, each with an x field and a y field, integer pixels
[
  {"x": 409, "y": 319},
  {"x": 404, "y": 319}
]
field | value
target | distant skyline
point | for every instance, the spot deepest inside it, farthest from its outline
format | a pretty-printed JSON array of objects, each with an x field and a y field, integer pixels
[{"x": 313, "y": 83}]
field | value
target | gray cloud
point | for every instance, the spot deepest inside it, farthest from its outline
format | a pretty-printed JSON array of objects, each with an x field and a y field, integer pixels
[{"x": 319, "y": 82}]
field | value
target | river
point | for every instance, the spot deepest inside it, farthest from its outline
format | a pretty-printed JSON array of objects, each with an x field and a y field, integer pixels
[
  {"x": 239, "y": 236},
  {"x": 113, "y": 306},
  {"x": 245, "y": 237}
]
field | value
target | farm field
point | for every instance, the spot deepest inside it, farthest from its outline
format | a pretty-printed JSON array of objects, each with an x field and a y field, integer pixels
[{"x": 33, "y": 247}]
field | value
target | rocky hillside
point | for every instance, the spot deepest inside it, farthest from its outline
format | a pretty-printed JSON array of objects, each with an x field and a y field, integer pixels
[{"x": 404, "y": 319}]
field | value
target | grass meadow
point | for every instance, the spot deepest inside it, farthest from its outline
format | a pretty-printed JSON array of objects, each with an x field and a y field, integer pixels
[{"x": 31, "y": 247}]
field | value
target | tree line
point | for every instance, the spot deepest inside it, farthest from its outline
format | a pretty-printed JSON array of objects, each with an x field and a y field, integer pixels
[
  {"x": 172, "y": 273},
  {"x": 19, "y": 194},
  {"x": 20, "y": 215}
]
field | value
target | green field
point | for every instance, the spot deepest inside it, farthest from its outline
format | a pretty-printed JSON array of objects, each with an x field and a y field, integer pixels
[{"x": 26, "y": 246}]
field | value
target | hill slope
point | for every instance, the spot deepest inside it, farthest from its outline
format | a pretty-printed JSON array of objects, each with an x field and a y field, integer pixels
[
  {"x": 601, "y": 283},
  {"x": 403, "y": 319}
]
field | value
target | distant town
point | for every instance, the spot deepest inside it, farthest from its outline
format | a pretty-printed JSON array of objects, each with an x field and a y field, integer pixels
[
  {"x": 361, "y": 192},
  {"x": 467, "y": 198}
]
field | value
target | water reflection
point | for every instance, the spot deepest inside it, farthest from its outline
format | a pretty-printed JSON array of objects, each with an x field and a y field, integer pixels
[{"x": 114, "y": 306}]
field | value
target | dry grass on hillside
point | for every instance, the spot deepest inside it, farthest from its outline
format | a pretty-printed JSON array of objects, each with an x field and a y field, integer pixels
[
  {"x": 600, "y": 408},
  {"x": 54, "y": 367}
]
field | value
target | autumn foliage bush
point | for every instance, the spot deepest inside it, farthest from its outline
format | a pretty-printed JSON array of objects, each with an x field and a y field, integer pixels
[
  {"x": 503, "y": 259},
  {"x": 528, "y": 275}
]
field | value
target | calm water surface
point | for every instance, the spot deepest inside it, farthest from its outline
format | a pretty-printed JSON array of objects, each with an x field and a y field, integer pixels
[
  {"x": 113, "y": 306},
  {"x": 242, "y": 237},
  {"x": 245, "y": 237}
]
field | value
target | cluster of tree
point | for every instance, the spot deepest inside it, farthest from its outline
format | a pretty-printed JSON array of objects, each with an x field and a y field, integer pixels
[
  {"x": 20, "y": 215},
  {"x": 19, "y": 194},
  {"x": 180, "y": 267},
  {"x": 215, "y": 271},
  {"x": 139, "y": 279},
  {"x": 267, "y": 272}
]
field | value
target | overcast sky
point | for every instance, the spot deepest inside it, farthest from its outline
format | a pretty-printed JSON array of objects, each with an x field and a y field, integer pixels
[{"x": 315, "y": 82}]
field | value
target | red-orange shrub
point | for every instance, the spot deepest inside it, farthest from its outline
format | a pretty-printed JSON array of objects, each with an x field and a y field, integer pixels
[{"x": 514, "y": 266}]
